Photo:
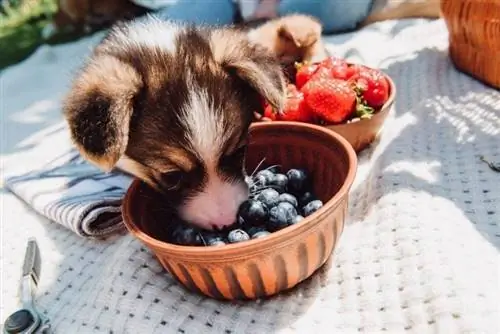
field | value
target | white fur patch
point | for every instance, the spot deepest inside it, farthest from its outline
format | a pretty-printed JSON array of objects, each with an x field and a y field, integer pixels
[
  {"x": 253, "y": 35},
  {"x": 217, "y": 204},
  {"x": 205, "y": 126},
  {"x": 150, "y": 32}
]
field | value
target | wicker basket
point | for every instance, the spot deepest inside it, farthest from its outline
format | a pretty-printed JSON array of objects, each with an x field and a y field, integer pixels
[{"x": 474, "y": 29}]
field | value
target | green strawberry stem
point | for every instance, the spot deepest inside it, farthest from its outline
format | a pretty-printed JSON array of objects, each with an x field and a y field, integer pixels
[
  {"x": 358, "y": 90},
  {"x": 363, "y": 111}
]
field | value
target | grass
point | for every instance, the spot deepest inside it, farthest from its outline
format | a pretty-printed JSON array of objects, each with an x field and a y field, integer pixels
[{"x": 21, "y": 25}]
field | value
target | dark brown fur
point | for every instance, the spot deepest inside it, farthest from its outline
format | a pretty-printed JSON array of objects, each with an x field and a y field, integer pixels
[{"x": 125, "y": 102}]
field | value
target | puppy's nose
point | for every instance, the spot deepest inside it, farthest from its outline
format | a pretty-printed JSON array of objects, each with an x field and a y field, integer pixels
[{"x": 222, "y": 219}]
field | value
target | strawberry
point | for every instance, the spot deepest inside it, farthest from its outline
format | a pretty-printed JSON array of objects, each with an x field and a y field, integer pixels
[
  {"x": 304, "y": 73},
  {"x": 296, "y": 109},
  {"x": 339, "y": 68},
  {"x": 372, "y": 86},
  {"x": 270, "y": 113},
  {"x": 322, "y": 73},
  {"x": 263, "y": 103},
  {"x": 332, "y": 100},
  {"x": 332, "y": 62}
]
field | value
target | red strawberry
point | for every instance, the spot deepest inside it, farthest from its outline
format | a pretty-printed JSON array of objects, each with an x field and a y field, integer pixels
[
  {"x": 263, "y": 103},
  {"x": 269, "y": 113},
  {"x": 322, "y": 73},
  {"x": 332, "y": 62},
  {"x": 372, "y": 86},
  {"x": 304, "y": 73},
  {"x": 296, "y": 109},
  {"x": 332, "y": 100},
  {"x": 339, "y": 68}
]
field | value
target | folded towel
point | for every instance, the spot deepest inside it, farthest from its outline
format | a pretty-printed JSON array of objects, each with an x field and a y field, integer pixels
[{"x": 69, "y": 191}]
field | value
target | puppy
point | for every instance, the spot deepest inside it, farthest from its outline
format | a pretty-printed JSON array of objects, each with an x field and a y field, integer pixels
[
  {"x": 292, "y": 38},
  {"x": 172, "y": 104}
]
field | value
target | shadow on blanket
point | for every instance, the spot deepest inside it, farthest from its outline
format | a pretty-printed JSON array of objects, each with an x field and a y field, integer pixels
[
  {"x": 129, "y": 272},
  {"x": 435, "y": 158}
]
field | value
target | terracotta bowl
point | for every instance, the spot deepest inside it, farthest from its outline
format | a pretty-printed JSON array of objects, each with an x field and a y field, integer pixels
[
  {"x": 260, "y": 267},
  {"x": 362, "y": 133}
]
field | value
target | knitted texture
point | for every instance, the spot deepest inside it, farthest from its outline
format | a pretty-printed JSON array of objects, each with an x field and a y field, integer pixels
[{"x": 419, "y": 253}]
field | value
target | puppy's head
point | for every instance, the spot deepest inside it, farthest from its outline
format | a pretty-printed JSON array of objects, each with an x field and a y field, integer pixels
[
  {"x": 298, "y": 38},
  {"x": 172, "y": 105}
]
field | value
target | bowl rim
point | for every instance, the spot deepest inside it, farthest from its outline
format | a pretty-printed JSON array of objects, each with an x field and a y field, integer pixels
[{"x": 252, "y": 245}]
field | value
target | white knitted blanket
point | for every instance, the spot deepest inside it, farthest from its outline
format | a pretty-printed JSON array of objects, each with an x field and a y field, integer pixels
[{"x": 419, "y": 254}]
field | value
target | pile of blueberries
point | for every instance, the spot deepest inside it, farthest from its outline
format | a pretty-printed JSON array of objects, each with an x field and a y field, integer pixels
[{"x": 277, "y": 200}]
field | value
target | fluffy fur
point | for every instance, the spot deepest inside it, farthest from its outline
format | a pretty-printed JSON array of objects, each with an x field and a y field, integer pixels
[
  {"x": 291, "y": 38},
  {"x": 172, "y": 105}
]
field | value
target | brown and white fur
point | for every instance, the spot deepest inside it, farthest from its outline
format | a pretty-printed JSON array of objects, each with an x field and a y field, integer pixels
[
  {"x": 172, "y": 104},
  {"x": 291, "y": 38}
]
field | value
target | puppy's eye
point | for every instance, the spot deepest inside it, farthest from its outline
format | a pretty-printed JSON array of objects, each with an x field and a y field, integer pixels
[
  {"x": 233, "y": 161},
  {"x": 172, "y": 180},
  {"x": 239, "y": 153}
]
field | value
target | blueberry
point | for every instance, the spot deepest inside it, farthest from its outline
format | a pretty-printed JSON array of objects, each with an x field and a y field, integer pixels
[
  {"x": 297, "y": 219},
  {"x": 279, "y": 182},
  {"x": 219, "y": 241},
  {"x": 251, "y": 183},
  {"x": 187, "y": 236},
  {"x": 289, "y": 198},
  {"x": 312, "y": 207},
  {"x": 306, "y": 198},
  {"x": 264, "y": 177},
  {"x": 212, "y": 238},
  {"x": 266, "y": 172},
  {"x": 254, "y": 229},
  {"x": 259, "y": 181},
  {"x": 237, "y": 236},
  {"x": 252, "y": 212},
  {"x": 290, "y": 210},
  {"x": 269, "y": 197},
  {"x": 274, "y": 169},
  {"x": 298, "y": 181},
  {"x": 261, "y": 234},
  {"x": 257, "y": 232},
  {"x": 278, "y": 218}
]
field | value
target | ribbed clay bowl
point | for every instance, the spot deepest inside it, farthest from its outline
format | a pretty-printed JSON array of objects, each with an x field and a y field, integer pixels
[
  {"x": 362, "y": 133},
  {"x": 266, "y": 266}
]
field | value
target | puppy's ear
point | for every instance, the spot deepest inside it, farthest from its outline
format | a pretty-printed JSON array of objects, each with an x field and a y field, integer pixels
[
  {"x": 99, "y": 107},
  {"x": 252, "y": 63}
]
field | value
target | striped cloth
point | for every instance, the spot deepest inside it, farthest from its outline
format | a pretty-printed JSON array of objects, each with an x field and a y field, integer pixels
[{"x": 70, "y": 191}]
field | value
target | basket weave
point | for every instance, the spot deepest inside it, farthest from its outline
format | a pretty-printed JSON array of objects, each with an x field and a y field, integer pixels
[{"x": 474, "y": 34}]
